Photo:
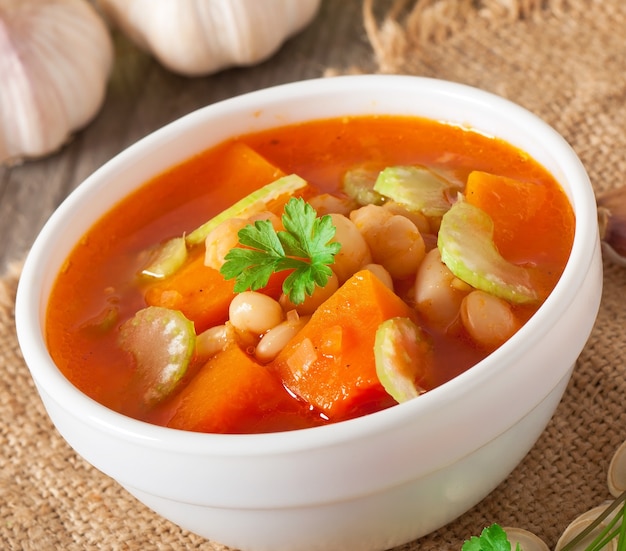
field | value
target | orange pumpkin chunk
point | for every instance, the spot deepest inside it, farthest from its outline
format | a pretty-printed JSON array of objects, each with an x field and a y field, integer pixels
[
  {"x": 330, "y": 362},
  {"x": 233, "y": 393}
]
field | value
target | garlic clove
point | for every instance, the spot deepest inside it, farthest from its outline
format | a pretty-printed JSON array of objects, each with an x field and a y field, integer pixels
[
  {"x": 55, "y": 60},
  {"x": 616, "y": 475},
  {"x": 200, "y": 37},
  {"x": 526, "y": 540},
  {"x": 612, "y": 223}
]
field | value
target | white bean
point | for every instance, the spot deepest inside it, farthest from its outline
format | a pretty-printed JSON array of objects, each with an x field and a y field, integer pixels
[
  {"x": 254, "y": 312},
  {"x": 488, "y": 319},
  {"x": 275, "y": 339},
  {"x": 354, "y": 253},
  {"x": 213, "y": 340},
  {"x": 312, "y": 302},
  {"x": 438, "y": 293}
]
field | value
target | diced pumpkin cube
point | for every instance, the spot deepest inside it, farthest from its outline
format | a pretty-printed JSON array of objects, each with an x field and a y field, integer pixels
[
  {"x": 199, "y": 292},
  {"x": 232, "y": 393},
  {"x": 495, "y": 194},
  {"x": 330, "y": 362}
]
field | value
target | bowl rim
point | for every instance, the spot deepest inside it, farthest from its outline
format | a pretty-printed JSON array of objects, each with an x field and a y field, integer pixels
[{"x": 29, "y": 305}]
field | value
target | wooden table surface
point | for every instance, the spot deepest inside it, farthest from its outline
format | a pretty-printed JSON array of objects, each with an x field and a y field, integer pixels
[{"x": 142, "y": 96}]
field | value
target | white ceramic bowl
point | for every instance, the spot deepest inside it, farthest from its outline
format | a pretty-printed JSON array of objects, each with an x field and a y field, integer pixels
[{"x": 369, "y": 483}]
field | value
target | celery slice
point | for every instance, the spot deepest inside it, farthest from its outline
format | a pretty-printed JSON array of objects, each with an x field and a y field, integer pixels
[
  {"x": 401, "y": 354},
  {"x": 417, "y": 188},
  {"x": 251, "y": 204},
  {"x": 169, "y": 257},
  {"x": 162, "y": 341},
  {"x": 466, "y": 245},
  {"x": 358, "y": 184}
]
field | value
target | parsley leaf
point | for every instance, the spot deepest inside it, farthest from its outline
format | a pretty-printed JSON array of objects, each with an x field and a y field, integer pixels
[
  {"x": 304, "y": 247},
  {"x": 492, "y": 538}
]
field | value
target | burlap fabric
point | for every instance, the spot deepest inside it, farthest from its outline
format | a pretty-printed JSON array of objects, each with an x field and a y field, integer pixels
[{"x": 563, "y": 59}]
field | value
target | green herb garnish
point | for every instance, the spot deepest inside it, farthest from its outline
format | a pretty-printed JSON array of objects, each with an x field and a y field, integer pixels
[
  {"x": 304, "y": 247},
  {"x": 492, "y": 538}
]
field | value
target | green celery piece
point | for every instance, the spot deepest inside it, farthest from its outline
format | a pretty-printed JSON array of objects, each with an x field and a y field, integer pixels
[
  {"x": 169, "y": 257},
  {"x": 417, "y": 188},
  {"x": 102, "y": 322},
  {"x": 163, "y": 342},
  {"x": 466, "y": 244},
  {"x": 358, "y": 184},
  {"x": 400, "y": 353},
  {"x": 251, "y": 204}
]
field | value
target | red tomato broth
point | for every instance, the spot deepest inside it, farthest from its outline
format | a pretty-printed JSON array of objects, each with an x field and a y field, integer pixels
[{"x": 100, "y": 274}]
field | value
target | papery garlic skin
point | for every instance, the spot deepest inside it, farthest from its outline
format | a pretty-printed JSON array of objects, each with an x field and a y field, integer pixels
[
  {"x": 612, "y": 223},
  {"x": 200, "y": 37},
  {"x": 55, "y": 60}
]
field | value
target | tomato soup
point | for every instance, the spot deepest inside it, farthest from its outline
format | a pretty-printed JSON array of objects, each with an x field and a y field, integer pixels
[{"x": 327, "y": 371}]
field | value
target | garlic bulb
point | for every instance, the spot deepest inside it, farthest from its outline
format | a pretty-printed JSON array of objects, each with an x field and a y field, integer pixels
[
  {"x": 55, "y": 60},
  {"x": 199, "y": 37},
  {"x": 612, "y": 223}
]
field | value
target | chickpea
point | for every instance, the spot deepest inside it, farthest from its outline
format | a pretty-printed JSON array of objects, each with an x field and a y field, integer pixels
[
  {"x": 369, "y": 217},
  {"x": 382, "y": 274},
  {"x": 225, "y": 236},
  {"x": 438, "y": 293},
  {"x": 325, "y": 203},
  {"x": 221, "y": 240},
  {"x": 252, "y": 312},
  {"x": 277, "y": 223},
  {"x": 400, "y": 248},
  {"x": 488, "y": 319},
  {"x": 420, "y": 221},
  {"x": 354, "y": 253},
  {"x": 394, "y": 240},
  {"x": 311, "y": 303}
]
